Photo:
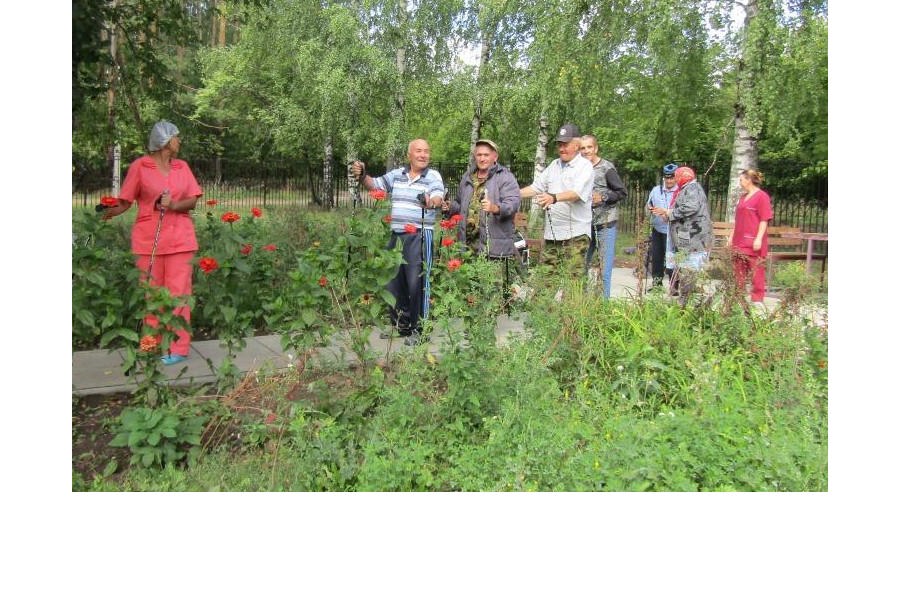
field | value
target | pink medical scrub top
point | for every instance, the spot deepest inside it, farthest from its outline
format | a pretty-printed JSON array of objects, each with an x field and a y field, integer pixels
[
  {"x": 144, "y": 184},
  {"x": 747, "y": 216}
]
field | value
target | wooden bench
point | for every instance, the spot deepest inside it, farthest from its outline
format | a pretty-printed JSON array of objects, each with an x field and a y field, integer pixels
[
  {"x": 721, "y": 236},
  {"x": 788, "y": 248},
  {"x": 534, "y": 245}
]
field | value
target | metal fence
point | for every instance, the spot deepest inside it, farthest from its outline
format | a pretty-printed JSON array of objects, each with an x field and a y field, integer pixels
[{"x": 241, "y": 184}]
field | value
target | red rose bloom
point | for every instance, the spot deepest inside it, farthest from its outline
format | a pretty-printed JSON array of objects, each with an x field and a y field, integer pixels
[
  {"x": 410, "y": 228},
  {"x": 246, "y": 249},
  {"x": 212, "y": 202},
  {"x": 386, "y": 218},
  {"x": 109, "y": 201},
  {"x": 378, "y": 194},
  {"x": 208, "y": 264},
  {"x": 455, "y": 219},
  {"x": 148, "y": 343},
  {"x": 446, "y": 224},
  {"x": 257, "y": 212},
  {"x": 446, "y": 242},
  {"x": 323, "y": 281},
  {"x": 230, "y": 217},
  {"x": 270, "y": 247},
  {"x": 453, "y": 264}
]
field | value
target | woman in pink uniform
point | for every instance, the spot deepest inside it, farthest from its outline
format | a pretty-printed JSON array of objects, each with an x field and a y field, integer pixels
[
  {"x": 749, "y": 240},
  {"x": 160, "y": 176}
]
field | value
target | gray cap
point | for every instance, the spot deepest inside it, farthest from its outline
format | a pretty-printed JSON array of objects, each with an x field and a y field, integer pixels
[
  {"x": 489, "y": 143},
  {"x": 162, "y": 132},
  {"x": 567, "y": 132}
]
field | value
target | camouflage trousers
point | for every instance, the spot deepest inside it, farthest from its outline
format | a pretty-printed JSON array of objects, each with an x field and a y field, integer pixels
[{"x": 566, "y": 256}]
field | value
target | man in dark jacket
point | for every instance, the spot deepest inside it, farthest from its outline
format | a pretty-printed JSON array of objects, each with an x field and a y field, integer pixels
[{"x": 488, "y": 199}]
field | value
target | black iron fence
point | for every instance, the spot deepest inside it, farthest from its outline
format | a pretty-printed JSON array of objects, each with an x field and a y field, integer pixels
[{"x": 242, "y": 184}]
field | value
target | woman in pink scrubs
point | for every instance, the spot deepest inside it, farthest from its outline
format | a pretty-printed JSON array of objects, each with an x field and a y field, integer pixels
[
  {"x": 750, "y": 240},
  {"x": 156, "y": 180}
]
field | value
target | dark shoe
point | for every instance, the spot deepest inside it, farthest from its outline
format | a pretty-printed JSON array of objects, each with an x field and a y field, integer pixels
[
  {"x": 392, "y": 333},
  {"x": 414, "y": 339}
]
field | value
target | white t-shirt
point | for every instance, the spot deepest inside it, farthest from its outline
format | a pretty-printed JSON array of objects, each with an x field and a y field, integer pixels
[{"x": 567, "y": 220}]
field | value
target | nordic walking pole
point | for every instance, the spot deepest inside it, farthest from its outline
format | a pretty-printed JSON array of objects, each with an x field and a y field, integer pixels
[
  {"x": 487, "y": 225},
  {"x": 162, "y": 213}
]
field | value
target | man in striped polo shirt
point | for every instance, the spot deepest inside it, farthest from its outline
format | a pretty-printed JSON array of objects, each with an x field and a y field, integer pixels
[{"x": 416, "y": 192}]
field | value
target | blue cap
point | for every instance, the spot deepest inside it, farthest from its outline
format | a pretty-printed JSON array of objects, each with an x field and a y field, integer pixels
[{"x": 669, "y": 169}]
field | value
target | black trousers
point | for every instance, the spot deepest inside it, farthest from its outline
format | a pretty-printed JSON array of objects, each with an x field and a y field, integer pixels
[
  {"x": 658, "y": 257},
  {"x": 411, "y": 285}
]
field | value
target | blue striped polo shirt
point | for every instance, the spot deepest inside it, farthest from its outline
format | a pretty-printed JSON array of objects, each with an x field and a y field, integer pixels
[{"x": 405, "y": 206}]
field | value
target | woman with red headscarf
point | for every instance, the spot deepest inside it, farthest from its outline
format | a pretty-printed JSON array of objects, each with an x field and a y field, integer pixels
[
  {"x": 690, "y": 227},
  {"x": 750, "y": 239}
]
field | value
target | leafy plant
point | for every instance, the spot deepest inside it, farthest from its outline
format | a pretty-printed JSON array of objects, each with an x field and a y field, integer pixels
[{"x": 160, "y": 436}]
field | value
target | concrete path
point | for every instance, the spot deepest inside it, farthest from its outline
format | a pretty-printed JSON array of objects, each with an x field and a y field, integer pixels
[{"x": 100, "y": 371}]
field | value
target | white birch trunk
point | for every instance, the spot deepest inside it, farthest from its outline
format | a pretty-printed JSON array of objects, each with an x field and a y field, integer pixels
[
  {"x": 475, "y": 133},
  {"x": 745, "y": 149},
  {"x": 327, "y": 175},
  {"x": 536, "y": 214}
]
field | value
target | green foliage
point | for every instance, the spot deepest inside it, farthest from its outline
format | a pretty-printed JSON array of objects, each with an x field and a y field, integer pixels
[
  {"x": 105, "y": 295},
  {"x": 160, "y": 436}
]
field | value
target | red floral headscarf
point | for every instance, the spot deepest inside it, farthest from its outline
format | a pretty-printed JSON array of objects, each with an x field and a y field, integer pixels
[{"x": 684, "y": 175}]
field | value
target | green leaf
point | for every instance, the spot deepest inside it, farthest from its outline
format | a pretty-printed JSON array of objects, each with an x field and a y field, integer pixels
[
  {"x": 153, "y": 438},
  {"x": 309, "y": 317},
  {"x": 129, "y": 334},
  {"x": 120, "y": 441},
  {"x": 97, "y": 279},
  {"x": 229, "y": 312},
  {"x": 136, "y": 437},
  {"x": 387, "y": 297},
  {"x": 168, "y": 432},
  {"x": 108, "y": 320},
  {"x": 85, "y": 317},
  {"x": 111, "y": 467},
  {"x": 147, "y": 459}
]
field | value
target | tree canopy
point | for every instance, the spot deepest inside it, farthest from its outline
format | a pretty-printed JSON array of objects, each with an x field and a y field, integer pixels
[{"x": 655, "y": 80}]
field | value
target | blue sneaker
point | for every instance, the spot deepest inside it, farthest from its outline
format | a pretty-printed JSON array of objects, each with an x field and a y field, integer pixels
[{"x": 173, "y": 359}]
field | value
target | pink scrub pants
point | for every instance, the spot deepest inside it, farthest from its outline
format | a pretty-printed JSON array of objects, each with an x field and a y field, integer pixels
[
  {"x": 743, "y": 264},
  {"x": 173, "y": 272}
]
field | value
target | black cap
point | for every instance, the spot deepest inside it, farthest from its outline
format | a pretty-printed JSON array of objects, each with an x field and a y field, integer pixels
[{"x": 567, "y": 132}]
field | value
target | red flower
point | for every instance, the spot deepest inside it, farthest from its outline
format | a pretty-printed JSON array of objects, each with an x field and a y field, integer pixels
[
  {"x": 323, "y": 281},
  {"x": 446, "y": 242},
  {"x": 453, "y": 264},
  {"x": 270, "y": 247},
  {"x": 455, "y": 219},
  {"x": 270, "y": 418},
  {"x": 109, "y": 201},
  {"x": 230, "y": 217},
  {"x": 386, "y": 218},
  {"x": 257, "y": 212},
  {"x": 410, "y": 228},
  {"x": 447, "y": 224},
  {"x": 148, "y": 343},
  {"x": 212, "y": 202},
  {"x": 246, "y": 249},
  {"x": 378, "y": 194},
  {"x": 208, "y": 264}
]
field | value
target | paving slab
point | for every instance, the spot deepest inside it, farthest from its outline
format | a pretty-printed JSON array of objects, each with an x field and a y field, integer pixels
[{"x": 100, "y": 371}]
